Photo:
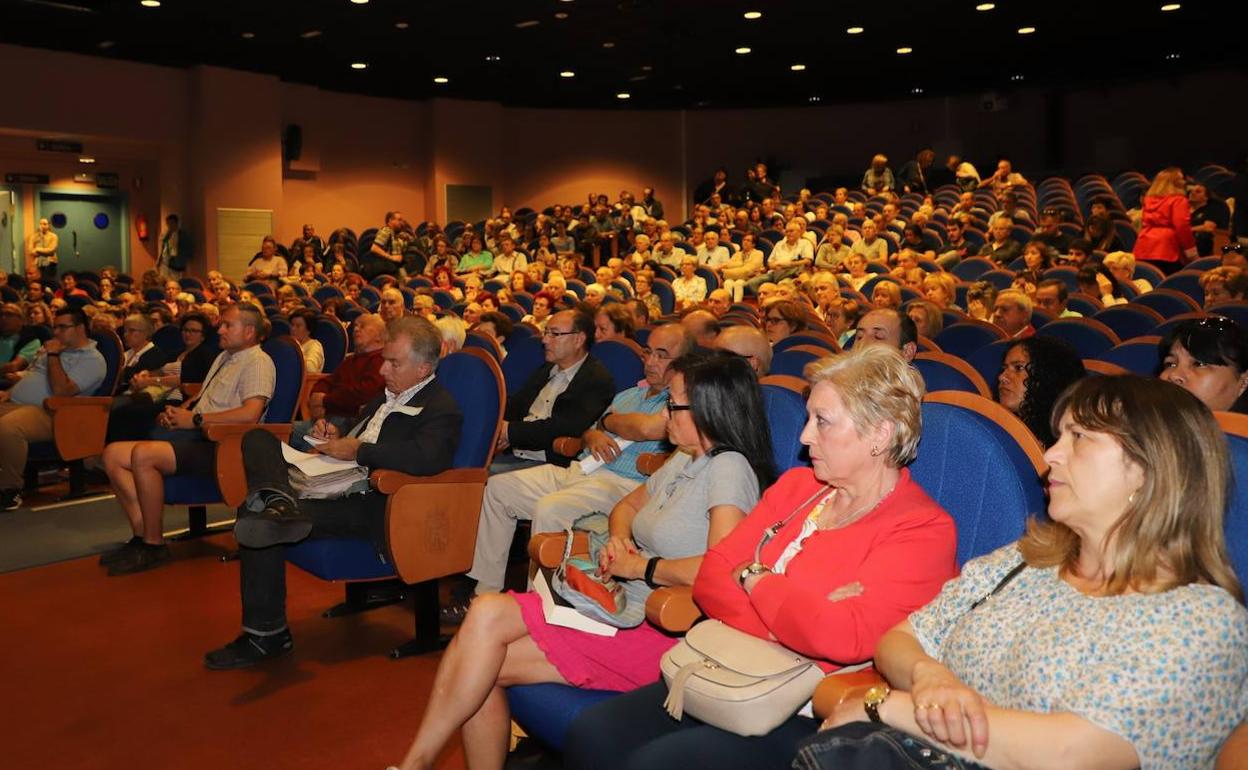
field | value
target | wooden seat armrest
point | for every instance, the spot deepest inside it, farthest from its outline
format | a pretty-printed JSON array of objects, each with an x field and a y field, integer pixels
[
  {"x": 569, "y": 446},
  {"x": 388, "y": 482},
  {"x": 191, "y": 389},
  {"x": 1234, "y": 753},
  {"x": 546, "y": 548},
  {"x": 79, "y": 424},
  {"x": 315, "y": 377},
  {"x": 53, "y": 403},
  {"x": 835, "y": 689},
  {"x": 225, "y": 431},
  {"x": 648, "y": 463},
  {"x": 672, "y": 609}
]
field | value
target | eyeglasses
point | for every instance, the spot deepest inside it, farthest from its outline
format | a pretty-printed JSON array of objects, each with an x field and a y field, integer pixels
[
  {"x": 671, "y": 407},
  {"x": 553, "y": 333},
  {"x": 773, "y": 320},
  {"x": 661, "y": 355}
]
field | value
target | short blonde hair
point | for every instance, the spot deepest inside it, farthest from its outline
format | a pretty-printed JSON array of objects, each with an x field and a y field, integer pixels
[
  {"x": 1116, "y": 258},
  {"x": 877, "y": 386},
  {"x": 945, "y": 281},
  {"x": 1016, "y": 296}
]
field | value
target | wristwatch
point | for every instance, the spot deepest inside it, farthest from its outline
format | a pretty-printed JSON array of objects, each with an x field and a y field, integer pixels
[
  {"x": 752, "y": 569},
  {"x": 872, "y": 701},
  {"x": 197, "y": 420}
]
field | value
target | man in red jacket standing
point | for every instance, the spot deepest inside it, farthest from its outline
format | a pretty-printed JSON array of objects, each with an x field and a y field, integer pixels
[{"x": 357, "y": 380}]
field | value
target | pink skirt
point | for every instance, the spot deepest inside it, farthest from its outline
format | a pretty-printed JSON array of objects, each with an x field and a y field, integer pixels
[{"x": 623, "y": 662}]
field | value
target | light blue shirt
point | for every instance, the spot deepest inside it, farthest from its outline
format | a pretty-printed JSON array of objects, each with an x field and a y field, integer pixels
[
  {"x": 633, "y": 401},
  {"x": 85, "y": 366}
]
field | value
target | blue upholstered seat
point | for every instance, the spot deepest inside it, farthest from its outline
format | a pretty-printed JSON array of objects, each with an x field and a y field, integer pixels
[
  {"x": 799, "y": 338},
  {"x": 524, "y": 356},
  {"x": 622, "y": 360},
  {"x": 963, "y": 339},
  {"x": 1237, "y": 509},
  {"x": 1127, "y": 321},
  {"x": 1138, "y": 356},
  {"x": 1085, "y": 335},
  {"x": 791, "y": 362},
  {"x": 1167, "y": 303},
  {"x": 333, "y": 339},
  {"x": 941, "y": 372}
]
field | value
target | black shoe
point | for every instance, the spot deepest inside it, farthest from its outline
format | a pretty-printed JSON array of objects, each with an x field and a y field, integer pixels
[
  {"x": 248, "y": 650},
  {"x": 114, "y": 555},
  {"x": 279, "y": 521},
  {"x": 454, "y": 613},
  {"x": 10, "y": 499},
  {"x": 140, "y": 559}
]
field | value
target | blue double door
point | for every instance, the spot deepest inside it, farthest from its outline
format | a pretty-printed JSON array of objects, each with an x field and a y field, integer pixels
[{"x": 91, "y": 230}]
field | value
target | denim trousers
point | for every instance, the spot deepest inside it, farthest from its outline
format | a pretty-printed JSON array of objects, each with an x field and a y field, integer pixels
[{"x": 871, "y": 746}]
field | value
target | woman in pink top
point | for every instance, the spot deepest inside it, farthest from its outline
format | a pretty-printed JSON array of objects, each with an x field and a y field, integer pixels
[{"x": 1166, "y": 238}]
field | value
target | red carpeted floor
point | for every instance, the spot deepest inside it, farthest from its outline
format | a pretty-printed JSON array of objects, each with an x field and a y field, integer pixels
[{"x": 102, "y": 672}]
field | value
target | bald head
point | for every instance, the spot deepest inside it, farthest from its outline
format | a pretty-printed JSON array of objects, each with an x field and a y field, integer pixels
[
  {"x": 718, "y": 302},
  {"x": 703, "y": 326},
  {"x": 749, "y": 343},
  {"x": 369, "y": 332},
  {"x": 391, "y": 305}
]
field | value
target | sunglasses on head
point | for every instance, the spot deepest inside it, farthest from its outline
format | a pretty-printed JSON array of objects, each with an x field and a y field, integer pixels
[{"x": 1238, "y": 248}]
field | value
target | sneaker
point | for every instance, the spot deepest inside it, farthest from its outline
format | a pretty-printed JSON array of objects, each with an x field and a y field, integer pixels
[
  {"x": 116, "y": 554},
  {"x": 279, "y": 521},
  {"x": 140, "y": 559},
  {"x": 454, "y": 613},
  {"x": 248, "y": 650},
  {"x": 10, "y": 499}
]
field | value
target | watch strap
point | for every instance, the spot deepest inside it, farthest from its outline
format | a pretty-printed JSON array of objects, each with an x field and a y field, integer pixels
[{"x": 650, "y": 567}]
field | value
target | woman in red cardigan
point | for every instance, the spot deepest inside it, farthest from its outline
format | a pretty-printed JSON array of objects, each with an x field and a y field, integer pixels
[
  {"x": 1166, "y": 239},
  {"x": 862, "y": 547}
]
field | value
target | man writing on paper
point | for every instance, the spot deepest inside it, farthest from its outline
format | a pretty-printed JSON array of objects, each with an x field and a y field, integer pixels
[
  {"x": 413, "y": 427},
  {"x": 553, "y": 497}
]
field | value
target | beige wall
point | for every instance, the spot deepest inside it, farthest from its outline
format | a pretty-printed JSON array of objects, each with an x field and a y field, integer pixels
[{"x": 194, "y": 140}]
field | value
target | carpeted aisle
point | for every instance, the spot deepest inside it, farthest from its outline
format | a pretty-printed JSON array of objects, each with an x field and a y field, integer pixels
[{"x": 105, "y": 673}]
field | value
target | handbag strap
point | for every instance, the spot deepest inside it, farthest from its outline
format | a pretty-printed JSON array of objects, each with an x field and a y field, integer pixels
[
  {"x": 1002, "y": 584},
  {"x": 774, "y": 529}
]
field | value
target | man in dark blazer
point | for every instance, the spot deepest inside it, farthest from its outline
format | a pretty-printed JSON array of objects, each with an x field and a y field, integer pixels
[
  {"x": 562, "y": 398},
  {"x": 413, "y": 427}
]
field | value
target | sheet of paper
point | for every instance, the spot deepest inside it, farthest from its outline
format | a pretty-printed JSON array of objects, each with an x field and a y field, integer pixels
[
  {"x": 591, "y": 463},
  {"x": 314, "y": 464},
  {"x": 313, "y": 440}
]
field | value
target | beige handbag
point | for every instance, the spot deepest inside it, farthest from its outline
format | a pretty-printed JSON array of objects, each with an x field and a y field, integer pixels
[{"x": 734, "y": 681}]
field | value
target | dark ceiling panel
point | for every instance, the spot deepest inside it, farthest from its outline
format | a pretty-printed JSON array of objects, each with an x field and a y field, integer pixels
[{"x": 664, "y": 53}]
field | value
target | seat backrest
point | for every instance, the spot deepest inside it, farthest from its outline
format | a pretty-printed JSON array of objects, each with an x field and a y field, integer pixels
[
  {"x": 524, "y": 356},
  {"x": 1236, "y": 428},
  {"x": 1090, "y": 338},
  {"x": 481, "y": 341},
  {"x": 1186, "y": 282},
  {"x": 476, "y": 382},
  {"x": 623, "y": 358},
  {"x": 333, "y": 339},
  {"x": 109, "y": 345},
  {"x": 169, "y": 339},
  {"x": 1165, "y": 327},
  {"x": 279, "y": 327},
  {"x": 786, "y": 415},
  {"x": 1138, "y": 355},
  {"x": 806, "y": 338},
  {"x": 983, "y": 466},
  {"x": 1130, "y": 320},
  {"x": 1167, "y": 302},
  {"x": 972, "y": 268},
  {"x": 941, "y": 371},
  {"x": 793, "y": 362},
  {"x": 288, "y": 360},
  {"x": 1065, "y": 274},
  {"x": 963, "y": 339}
]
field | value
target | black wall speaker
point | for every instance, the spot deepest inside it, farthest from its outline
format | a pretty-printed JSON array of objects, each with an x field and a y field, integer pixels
[{"x": 292, "y": 142}]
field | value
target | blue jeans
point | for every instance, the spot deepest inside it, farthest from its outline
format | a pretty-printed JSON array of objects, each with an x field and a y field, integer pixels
[{"x": 867, "y": 745}]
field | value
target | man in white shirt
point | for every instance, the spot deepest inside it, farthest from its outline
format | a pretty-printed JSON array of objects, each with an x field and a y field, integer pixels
[
  {"x": 668, "y": 253},
  {"x": 787, "y": 258},
  {"x": 710, "y": 253},
  {"x": 268, "y": 264}
]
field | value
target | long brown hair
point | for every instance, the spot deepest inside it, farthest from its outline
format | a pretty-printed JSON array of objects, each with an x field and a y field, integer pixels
[
  {"x": 1171, "y": 533},
  {"x": 1169, "y": 181}
]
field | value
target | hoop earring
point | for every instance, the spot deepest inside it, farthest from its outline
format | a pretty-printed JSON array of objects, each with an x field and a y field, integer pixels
[{"x": 875, "y": 451}]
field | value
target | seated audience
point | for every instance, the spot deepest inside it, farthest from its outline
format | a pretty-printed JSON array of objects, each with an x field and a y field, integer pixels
[
  {"x": 1095, "y": 280},
  {"x": 786, "y": 574},
  {"x": 926, "y": 316},
  {"x": 689, "y": 288},
  {"x": 832, "y": 251},
  {"x": 749, "y": 343},
  {"x": 871, "y": 246},
  {"x": 890, "y": 328},
  {"x": 141, "y": 356},
  {"x": 385, "y": 256},
  {"x": 941, "y": 289},
  {"x": 1209, "y": 214},
  {"x": 419, "y": 440},
  {"x": 659, "y": 532},
  {"x": 236, "y": 390},
  {"x": 1121, "y": 265},
  {"x": 1209, "y": 358},
  {"x": 703, "y": 326},
  {"x": 1000, "y": 247},
  {"x": 543, "y": 303},
  {"x": 886, "y": 296},
  {"x": 266, "y": 265},
  {"x": 302, "y": 322},
  {"x": 562, "y": 398},
  {"x": 19, "y": 343},
  {"x": 1072, "y": 646},
  {"x": 878, "y": 178},
  {"x": 1034, "y": 373},
  {"x": 1051, "y": 296},
  {"x": 1100, "y": 233},
  {"x": 68, "y": 364}
]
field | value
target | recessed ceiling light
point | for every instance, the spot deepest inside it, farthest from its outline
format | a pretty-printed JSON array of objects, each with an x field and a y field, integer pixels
[
  {"x": 561, "y": 15},
  {"x": 1016, "y": 78},
  {"x": 752, "y": 15},
  {"x": 359, "y": 65},
  {"x": 623, "y": 95},
  {"x": 441, "y": 80},
  {"x": 916, "y": 91},
  {"x": 249, "y": 35},
  {"x": 1171, "y": 7},
  {"x": 985, "y": 6},
  {"x": 1173, "y": 56},
  {"x": 527, "y": 24},
  {"x": 905, "y": 50},
  {"x": 1026, "y": 30},
  {"x": 854, "y": 31},
  {"x": 150, "y": 3},
  {"x": 637, "y": 78},
  {"x": 311, "y": 34},
  {"x": 359, "y": 2},
  {"x": 401, "y": 25},
  {"x": 797, "y": 67},
  {"x": 493, "y": 58},
  {"x": 567, "y": 74},
  {"x": 608, "y": 44},
  {"x": 743, "y": 50},
  {"x": 813, "y": 99},
  {"x": 104, "y": 45},
  {"x": 646, "y": 68},
  {"x": 86, "y": 159}
]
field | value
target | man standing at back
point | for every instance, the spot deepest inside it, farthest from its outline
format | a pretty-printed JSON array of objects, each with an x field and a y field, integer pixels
[
  {"x": 562, "y": 398},
  {"x": 67, "y": 365}
]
